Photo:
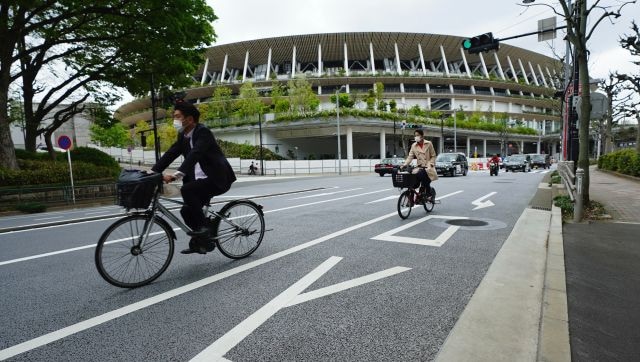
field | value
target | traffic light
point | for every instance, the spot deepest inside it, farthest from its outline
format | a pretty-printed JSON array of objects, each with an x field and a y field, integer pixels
[{"x": 481, "y": 43}]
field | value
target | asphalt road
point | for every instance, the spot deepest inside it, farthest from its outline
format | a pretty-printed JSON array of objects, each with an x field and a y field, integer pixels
[{"x": 327, "y": 233}]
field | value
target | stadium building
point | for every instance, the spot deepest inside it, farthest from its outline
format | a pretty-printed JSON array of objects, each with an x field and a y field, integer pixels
[{"x": 430, "y": 71}]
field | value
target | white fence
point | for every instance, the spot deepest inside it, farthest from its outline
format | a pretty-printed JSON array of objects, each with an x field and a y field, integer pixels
[{"x": 139, "y": 157}]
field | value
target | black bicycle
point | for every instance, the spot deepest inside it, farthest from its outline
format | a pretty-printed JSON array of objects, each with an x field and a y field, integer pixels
[
  {"x": 411, "y": 196},
  {"x": 138, "y": 248}
]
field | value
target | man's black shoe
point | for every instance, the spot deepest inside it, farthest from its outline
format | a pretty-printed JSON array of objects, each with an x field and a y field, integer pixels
[
  {"x": 193, "y": 251},
  {"x": 196, "y": 246},
  {"x": 201, "y": 233}
]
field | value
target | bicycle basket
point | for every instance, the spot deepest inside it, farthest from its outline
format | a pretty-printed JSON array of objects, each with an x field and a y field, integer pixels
[
  {"x": 135, "y": 188},
  {"x": 404, "y": 180}
]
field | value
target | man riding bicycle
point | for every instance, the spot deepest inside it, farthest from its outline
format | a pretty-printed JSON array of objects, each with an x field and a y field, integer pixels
[
  {"x": 205, "y": 171},
  {"x": 425, "y": 155}
]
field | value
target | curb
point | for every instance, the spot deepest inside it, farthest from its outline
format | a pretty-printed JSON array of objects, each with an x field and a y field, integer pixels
[{"x": 553, "y": 338}]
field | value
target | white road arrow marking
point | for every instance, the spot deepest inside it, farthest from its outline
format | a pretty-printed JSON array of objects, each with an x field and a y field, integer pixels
[
  {"x": 482, "y": 204},
  {"x": 291, "y": 296},
  {"x": 438, "y": 241}
]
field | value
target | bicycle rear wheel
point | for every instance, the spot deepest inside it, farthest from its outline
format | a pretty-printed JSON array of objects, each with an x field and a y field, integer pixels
[
  {"x": 241, "y": 231},
  {"x": 405, "y": 204},
  {"x": 430, "y": 201},
  {"x": 126, "y": 262}
]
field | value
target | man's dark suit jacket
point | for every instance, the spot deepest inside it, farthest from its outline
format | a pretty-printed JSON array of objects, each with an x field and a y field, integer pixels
[{"x": 206, "y": 152}]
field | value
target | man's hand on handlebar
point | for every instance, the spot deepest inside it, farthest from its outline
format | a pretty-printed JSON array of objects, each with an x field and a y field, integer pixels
[{"x": 168, "y": 178}]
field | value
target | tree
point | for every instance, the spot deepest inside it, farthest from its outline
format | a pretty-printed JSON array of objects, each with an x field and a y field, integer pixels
[
  {"x": 114, "y": 136},
  {"x": 611, "y": 88},
  {"x": 222, "y": 102},
  {"x": 632, "y": 108},
  {"x": 66, "y": 51},
  {"x": 379, "y": 93},
  {"x": 248, "y": 102},
  {"x": 301, "y": 96},
  {"x": 582, "y": 21}
]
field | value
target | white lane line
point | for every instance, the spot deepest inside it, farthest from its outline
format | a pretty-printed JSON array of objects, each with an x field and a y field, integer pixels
[
  {"x": 48, "y": 218},
  {"x": 94, "y": 245},
  {"x": 106, "y": 317},
  {"x": 450, "y": 194},
  {"x": 325, "y": 194},
  {"x": 383, "y": 199},
  {"x": 38, "y": 256},
  {"x": 97, "y": 212}
]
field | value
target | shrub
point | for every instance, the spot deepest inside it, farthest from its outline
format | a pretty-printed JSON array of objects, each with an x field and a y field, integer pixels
[
  {"x": 93, "y": 156},
  {"x": 31, "y": 207},
  {"x": 625, "y": 161},
  {"x": 565, "y": 204}
]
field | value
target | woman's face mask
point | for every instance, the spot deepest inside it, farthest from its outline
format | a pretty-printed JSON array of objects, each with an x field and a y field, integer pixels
[{"x": 418, "y": 138}]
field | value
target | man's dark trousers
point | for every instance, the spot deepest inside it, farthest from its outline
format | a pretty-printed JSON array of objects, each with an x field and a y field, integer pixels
[{"x": 196, "y": 194}]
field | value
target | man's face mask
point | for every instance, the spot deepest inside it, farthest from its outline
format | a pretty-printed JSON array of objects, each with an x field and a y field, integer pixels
[{"x": 177, "y": 124}]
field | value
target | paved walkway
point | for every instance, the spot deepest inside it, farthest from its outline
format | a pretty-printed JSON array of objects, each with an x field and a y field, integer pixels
[{"x": 602, "y": 262}]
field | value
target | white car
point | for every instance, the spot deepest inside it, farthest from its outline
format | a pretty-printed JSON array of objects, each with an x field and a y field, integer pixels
[{"x": 43, "y": 149}]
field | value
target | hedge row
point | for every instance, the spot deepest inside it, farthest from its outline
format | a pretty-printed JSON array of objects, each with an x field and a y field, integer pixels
[
  {"x": 625, "y": 161},
  {"x": 39, "y": 169}
]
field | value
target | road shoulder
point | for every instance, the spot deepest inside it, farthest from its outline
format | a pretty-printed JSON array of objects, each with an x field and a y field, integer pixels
[{"x": 502, "y": 320}]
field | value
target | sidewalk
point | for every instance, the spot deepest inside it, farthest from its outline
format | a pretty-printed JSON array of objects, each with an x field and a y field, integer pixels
[{"x": 602, "y": 262}]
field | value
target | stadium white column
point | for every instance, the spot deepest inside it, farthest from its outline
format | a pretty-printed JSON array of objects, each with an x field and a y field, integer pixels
[
  {"x": 246, "y": 65},
  {"x": 269, "y": 64},
  {"x": 373, "y": 62},
  {"x": 550, "y": 77},
  {"x": 224, "y": 68},
  {"x": 495, "y": 55},
  {"x": 484, "y": 66},
  {"x": 533, "y": 74},
  {"x": 522, "y": 146},
  {"x": 424, "y": 69},
  {"x": 398, "y": 69},
  {"x": 468, "y": 146},
  {"x": 484, "y": 147},
  {"x": 444, "y": 61},
  {"x": 542, "y": 75},
  {"x": 293, "y": 63},
  {"x": 204, "y": 71},
  {"x": 346, "y": 59},
  {"x": 319, "y": 60},
  {"x": 513, "y": 70},
  {"x": 383, "y": 143},
  {"x": 466, "y": 65},
  {"x": 349, "y": 143},
  {"x": 524, "y": 72}
]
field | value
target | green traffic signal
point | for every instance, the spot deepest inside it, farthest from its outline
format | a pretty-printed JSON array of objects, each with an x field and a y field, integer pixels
[{"x": 466, "y": 43}]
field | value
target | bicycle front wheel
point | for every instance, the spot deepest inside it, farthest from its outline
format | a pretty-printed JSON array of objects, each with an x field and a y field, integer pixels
[
  {"x": 241, "y": 230},
  {"x": 127, "y": 259},
  {"x": 405, "y": 204}
]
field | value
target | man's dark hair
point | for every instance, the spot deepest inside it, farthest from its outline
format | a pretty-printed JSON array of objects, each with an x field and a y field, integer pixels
[
  {"x": 420, "y": 132},
  {"x": 187, "y": 110}
]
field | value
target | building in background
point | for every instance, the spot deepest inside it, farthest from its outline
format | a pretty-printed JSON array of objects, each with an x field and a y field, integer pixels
[{"x": 430, "y": 71}]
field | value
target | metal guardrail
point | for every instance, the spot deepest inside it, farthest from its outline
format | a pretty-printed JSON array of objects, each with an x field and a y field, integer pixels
[
  {"x": 565, "y": 169},
  {"x": 57, "y": 194}
]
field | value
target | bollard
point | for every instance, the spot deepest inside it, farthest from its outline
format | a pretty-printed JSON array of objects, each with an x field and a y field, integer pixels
[{"x": 578, "y": 207}]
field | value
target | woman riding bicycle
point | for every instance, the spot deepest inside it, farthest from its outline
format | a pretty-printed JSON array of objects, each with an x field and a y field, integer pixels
[{"x": 425, "y": 155}]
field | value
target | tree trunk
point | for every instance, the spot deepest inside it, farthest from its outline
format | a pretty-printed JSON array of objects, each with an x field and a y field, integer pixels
[
  {"x": 583, "y": 131},
  {"x": 7, "y": 149},
  {"x": 638, "y": 132}
]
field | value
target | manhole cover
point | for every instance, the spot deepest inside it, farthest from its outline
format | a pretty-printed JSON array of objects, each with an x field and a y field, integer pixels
[{"x": 466, "y": 222}]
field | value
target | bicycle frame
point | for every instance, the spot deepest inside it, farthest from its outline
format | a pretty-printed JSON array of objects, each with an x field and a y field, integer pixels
[{"x": 157, "y": 207}]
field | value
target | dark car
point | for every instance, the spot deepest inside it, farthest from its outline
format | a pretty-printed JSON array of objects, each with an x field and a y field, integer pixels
[
  {"x": 387, "y": 165},
  {"x": 518, "y": 162},
  {"x": 452, "y": 164},
  {"x": 540, "y": 160}
]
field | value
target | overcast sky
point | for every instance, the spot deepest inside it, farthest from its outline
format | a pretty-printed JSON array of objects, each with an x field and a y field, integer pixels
[{"x": 241, "y": 20}]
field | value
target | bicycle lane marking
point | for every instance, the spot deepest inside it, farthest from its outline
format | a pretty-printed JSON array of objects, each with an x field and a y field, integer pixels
[
  {"x": 106, "y": 317},
  {"x": 38, "y": 256}
]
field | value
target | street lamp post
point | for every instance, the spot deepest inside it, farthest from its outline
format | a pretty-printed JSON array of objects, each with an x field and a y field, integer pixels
[
  {"x": 261, "y": 156},
  {"x": 338, "y": 122}
]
